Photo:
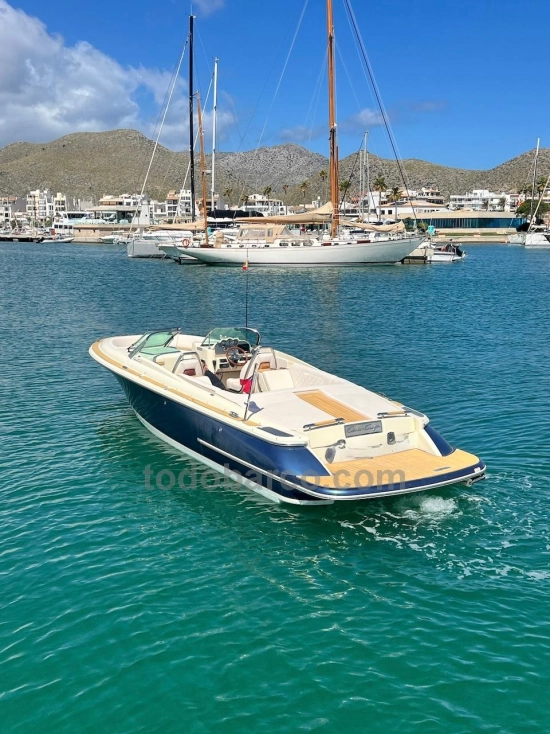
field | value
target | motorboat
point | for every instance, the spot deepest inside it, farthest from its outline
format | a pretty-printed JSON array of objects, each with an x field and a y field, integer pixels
[
  {"x": 428, "y": 252},
  {"x": 122, "y": 237},
  {"x": 59, "y": 238},
  {"x": 152, "y": 244},
  {"x": 284, "y": 428}
]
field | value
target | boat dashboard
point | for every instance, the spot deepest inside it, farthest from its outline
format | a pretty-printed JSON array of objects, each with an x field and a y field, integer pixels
[{"x": 229, "y": 348}]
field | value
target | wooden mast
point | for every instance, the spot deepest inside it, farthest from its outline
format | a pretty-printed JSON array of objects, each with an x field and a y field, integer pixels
[
  {"x": 203, "y": 168},
  {"x": 333, "y": 165}
]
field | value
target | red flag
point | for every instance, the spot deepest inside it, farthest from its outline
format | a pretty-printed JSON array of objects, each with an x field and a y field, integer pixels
[{"x": 247, "y": 385}]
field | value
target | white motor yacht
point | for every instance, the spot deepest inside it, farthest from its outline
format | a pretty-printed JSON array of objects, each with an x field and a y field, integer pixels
[
  {"x": 159, "y": 243},
  {"x": 428, "y": 252}
]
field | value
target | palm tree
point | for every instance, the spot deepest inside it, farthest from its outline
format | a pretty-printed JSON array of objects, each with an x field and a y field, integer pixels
[
  {"x": 380, "y": 186},
  {"x": 267, "y": 191},
  {"x": 303, "y": 187},
  {"x": 540, "y": 187},
  {"x": 227, "y": 194},
  {"x": 284, "y": 188},
  {"x": 394, "y": 196},
  {"x": 344, "y": 186}
]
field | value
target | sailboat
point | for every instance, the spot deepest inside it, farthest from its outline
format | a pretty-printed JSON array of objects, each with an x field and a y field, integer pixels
[
  {"x": 536, "y": 236},
  {"x": 258, "y": 242}
]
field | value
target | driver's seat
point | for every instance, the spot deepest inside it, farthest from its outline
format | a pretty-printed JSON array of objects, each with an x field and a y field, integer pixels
[
  {"x": 262, "y": 361},
  {"x": 235, "y": 383}
]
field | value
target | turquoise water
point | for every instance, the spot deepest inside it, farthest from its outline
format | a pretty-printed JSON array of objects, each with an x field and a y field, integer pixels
[{"x": 128, "y": 609}]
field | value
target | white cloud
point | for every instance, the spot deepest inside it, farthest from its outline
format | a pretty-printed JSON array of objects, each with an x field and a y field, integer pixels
[
  {"x": 206, "y": 7},
  {"x": 49, "y": 89},
  {"x": 361, "y": 121}
]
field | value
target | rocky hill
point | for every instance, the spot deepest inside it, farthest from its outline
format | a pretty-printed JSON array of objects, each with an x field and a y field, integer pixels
[{"x": 88, "y": 165}]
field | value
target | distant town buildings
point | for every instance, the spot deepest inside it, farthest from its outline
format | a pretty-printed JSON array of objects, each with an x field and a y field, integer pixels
[
  {"x": 482, "y": 200},
  {"x": 42, "y": 208}
]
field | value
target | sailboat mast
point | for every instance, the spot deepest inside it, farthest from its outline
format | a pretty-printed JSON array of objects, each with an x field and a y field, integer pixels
[
  {"x": 203, "y": 168},
  {"x": 214, "y": 113},
  {"x": 534, "y": 184},
  {"x": 333, "y": 166},
  {"x": 191, "y": 131}
]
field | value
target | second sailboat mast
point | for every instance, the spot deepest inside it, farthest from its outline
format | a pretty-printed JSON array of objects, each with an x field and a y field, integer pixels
[
  {"x": 191, "y": 110},
  {"x": 333, "y": 166}
]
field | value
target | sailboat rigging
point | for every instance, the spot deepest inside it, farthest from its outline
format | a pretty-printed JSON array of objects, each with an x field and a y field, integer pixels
[{"x": 349, "y": 243}]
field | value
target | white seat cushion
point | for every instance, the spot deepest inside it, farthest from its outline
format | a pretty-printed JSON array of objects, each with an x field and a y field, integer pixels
[{"x": 271, "y": 380}]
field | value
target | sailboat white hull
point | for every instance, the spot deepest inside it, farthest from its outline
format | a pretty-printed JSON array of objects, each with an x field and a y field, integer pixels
[
  {"x": 178, "y": 254},
  {"x": 380, "y": 252}
]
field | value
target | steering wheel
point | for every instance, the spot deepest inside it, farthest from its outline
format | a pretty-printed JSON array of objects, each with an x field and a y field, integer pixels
[{"x": 236, "y": 356}]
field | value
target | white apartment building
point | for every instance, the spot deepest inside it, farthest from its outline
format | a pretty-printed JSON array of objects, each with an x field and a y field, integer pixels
[
  {"x": 8, "y": 209},
  {"x": 40, "y": 206},
  {"x": 178, "y": 204},
  {"x": 264, "y": 205},
  {"x": 482, "y": 200}
]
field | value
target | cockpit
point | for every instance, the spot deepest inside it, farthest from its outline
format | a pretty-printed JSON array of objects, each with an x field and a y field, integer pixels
[
  {"x": 224, "y": 351},
  {"x": 230, "y": 347}
]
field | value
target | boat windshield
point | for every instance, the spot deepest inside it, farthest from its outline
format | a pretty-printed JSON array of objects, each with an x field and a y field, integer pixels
[
  {"x": 242, "y": 333},
  {"x": 154, "y": 342}
]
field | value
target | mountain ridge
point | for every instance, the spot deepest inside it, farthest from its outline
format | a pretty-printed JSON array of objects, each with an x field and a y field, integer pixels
[{"x": 88, "y": 165}]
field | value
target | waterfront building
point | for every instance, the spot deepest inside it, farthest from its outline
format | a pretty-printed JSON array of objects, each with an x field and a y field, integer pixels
[
  {"x": 480, "y": 200},
  {"x": 264, "y": 205},
  {"x": 40, "y": 206},
  {"x": 470, "y": 223},
  {"x": 59, "y": 204},
  {"x": 124, "y": 209},
  {"x": 178, "y": 204},
  {"x": 10, "y": 207},
  {"x": 428, "y": 195}
]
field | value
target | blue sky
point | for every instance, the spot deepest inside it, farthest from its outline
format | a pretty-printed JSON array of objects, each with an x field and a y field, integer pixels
[{"x": 463, "y": 82}]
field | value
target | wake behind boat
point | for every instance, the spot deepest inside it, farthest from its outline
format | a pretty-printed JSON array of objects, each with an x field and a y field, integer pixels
[{"x": 282, "y": 427}]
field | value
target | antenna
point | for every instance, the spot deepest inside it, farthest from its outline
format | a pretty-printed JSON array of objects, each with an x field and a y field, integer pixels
[{"x": 245, "y": 267}]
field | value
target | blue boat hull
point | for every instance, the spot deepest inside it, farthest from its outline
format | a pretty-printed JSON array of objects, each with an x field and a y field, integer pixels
[
  {"x": 274, "y": 470},
  {"x": 192, "y": 430}
]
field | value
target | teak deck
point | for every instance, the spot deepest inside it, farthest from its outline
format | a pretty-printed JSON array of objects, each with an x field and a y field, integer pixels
[
  {"x": 329, "y": 405},
  {"x": 404, "y": 466}
]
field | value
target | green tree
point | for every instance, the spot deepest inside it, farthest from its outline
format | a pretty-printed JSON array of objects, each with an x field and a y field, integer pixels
[
  {"x": 267, "y": 192},
  {"x": 540, "y": 187},
  {"x": 303, "y": 188},
  {"x": 524, "y": 209},
  {"x": 344, "y": 187}
]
